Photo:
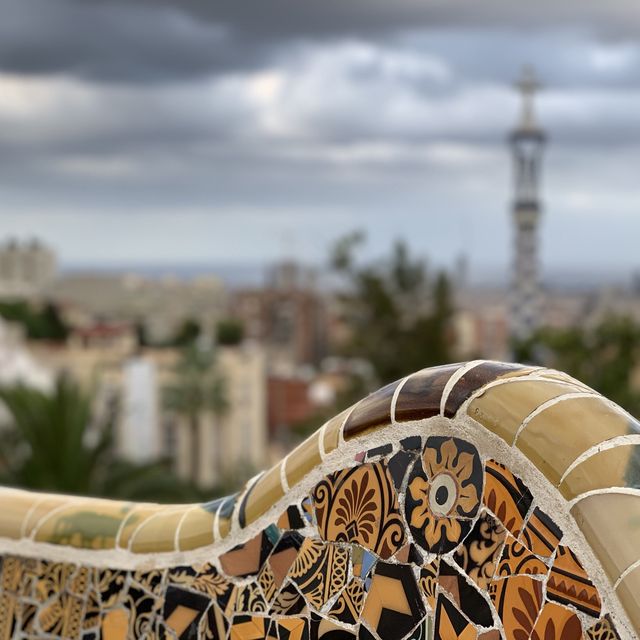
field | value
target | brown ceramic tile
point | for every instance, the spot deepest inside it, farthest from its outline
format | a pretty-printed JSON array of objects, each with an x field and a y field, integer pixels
[
  {"x": 477, "y": 377},
  {"x": 518, "y": 600},
  {"x": 264, "y": 494},
  {"x": 569, "y": 583},
  {"x": 541, "y": 535},
  {"x": 303, "y": 459},
  {"x": 554, "y": 438},
  {"x": 616, "y": 467},
  {"x": 371, "y": 413},
  {"x": 506, "y": 496},
  {"x": 360, "y": 505},
  {"x": 245, "y": 559},
  {"x": 517, "y": 560},
  {"x": 421, "y": 394},
  {"x": 502, "y": 408},
  {"x": 557, "y": 623},
  {"x": 610, "y": 523}
]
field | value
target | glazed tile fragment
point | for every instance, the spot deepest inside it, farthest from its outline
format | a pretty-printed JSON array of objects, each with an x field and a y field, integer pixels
[
  {"x": 517, "y": 560},
  {"x": 466, "y": 597},
  {"x": 557, "y": 623},
  {"x": 506, "y": 496},
  {"x": 371, "y": 413},
  {"x": 585, "y": 423},
  {"x": 421, "y": 394},
  {"x": 569, "y": 583},
  {"x": 450, "y": 624},
  {"x": 477, "y": 377},
  {"x": 320, "y": 571},
  {"x": 443, "y": 493},
  {"x": 393, "y": 605},
  {"x": 360, "y": 505},
  {"x": 518, "y": 601},
  {"x": 616, "y": 467},
  {"x": 541, "y": 534},
  {"x": 502, "y": 409},
  {"x": 479, "y": 553},
  {"x": 419, "y": 536},
  {"x": 348, "y": 606}
]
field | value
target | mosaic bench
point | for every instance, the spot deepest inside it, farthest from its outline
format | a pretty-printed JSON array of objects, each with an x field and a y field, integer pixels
[{"x": 476, "y": 501}]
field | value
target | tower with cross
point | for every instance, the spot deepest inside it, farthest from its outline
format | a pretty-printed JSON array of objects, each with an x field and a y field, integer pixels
[{"x": 526, "y": 141}]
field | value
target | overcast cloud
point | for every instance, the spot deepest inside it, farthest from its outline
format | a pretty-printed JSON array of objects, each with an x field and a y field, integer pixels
[{"x": 202, "y": 131}]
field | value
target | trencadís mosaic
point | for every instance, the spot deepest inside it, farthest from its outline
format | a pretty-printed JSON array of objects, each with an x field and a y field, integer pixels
[{"x": 478, "y": 501}]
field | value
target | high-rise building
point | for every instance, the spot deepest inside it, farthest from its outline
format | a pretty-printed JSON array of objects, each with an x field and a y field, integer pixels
[
  {"x": 526, "y": 141},
  {"x": 25, "y": 268}
]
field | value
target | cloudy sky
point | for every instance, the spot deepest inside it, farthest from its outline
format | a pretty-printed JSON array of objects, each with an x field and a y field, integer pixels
[{"x": 197, "y": 131}]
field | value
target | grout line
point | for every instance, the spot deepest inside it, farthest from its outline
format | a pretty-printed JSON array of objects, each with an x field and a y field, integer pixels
[
  {"x": 454, "y": 379},
  {"x": 394, "y": 398},
  {"x": 572, "y": 395},
  {"x": 612, "y": 443},
  {"x": 627, "y": 491}
]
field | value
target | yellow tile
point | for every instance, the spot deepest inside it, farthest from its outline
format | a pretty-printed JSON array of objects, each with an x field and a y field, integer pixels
[
  {"x": 196, "y": 529},
  {"x": 15, "y": 507},
  {"x": 44, "y": 505},
  {"x": 181, "y": 617},
  {"x": 134, "y": 519},
  {"x": 502, "y": 408},
  {"x": 158, "y": 533},
  {"x": 332, "y": 431},
  {"x": 115, "y": 625},
  {"x": 266, "y": 492},
  {"x": 628, "y": 592},
  {"x": 616, "y": 467},
  {"x": 611, "y": 524},
  {"x": 303, "y": 459},
  {"x": 554, "y": 438},
  {"x": 87, "y": 524},
  {"x": 562, "y": 377}
]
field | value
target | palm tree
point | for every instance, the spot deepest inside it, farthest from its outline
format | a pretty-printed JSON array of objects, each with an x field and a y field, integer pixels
[
  {"x": 54, "y": 441},
  {"x": 198, "y": 387}
]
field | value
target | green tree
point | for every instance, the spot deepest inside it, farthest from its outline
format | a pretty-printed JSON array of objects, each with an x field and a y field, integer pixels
[
  {"x": 53, "y": 441},
  {"x": 399, "y": 318},
  {"x": 40, "y": 323},
  {"x": 229, "y": 332},
  {"x": 187, "y": 333},
  {"x": 197, "y": 387},
  {"x": 605, "y": 356}
]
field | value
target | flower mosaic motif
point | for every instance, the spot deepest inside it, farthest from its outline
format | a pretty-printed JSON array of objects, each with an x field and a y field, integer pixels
[
  {"x": 444, "y": 492},
  {"x": 439, "y": 528}
]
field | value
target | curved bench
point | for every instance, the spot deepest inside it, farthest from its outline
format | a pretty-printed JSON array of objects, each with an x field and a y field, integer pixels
[{"x": 480, "y": 500}]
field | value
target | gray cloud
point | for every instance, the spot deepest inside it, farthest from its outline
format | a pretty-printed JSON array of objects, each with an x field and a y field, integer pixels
[{"x": 366, "y": 113}]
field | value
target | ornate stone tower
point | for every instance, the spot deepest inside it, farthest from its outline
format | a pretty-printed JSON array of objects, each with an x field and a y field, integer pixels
[{"x": 526, "y": 141}]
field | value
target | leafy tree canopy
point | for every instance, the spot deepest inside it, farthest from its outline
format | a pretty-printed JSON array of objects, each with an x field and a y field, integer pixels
[
  {"x": 398, "y": 315},
  {"x": 53, "y": 441},
  {"x": 605, "y": 356}
]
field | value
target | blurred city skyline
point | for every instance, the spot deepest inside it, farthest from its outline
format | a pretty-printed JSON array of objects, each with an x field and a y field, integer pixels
[{"x": 152, "y": 133}]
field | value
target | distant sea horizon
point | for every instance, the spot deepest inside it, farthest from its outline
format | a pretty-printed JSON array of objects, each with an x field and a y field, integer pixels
[{"x": 256, "y": 274}]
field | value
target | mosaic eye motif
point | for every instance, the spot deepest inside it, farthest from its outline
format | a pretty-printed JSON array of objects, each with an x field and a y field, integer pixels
[{"x": 443, "y": 493}]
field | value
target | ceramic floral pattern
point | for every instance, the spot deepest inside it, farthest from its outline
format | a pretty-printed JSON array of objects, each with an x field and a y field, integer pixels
[
  {"x": 444, "y": 491},
  {"x": 417, "y": 538}
]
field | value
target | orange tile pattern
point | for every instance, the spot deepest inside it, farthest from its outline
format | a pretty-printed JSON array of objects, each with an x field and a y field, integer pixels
[{"x": 422, "y": 537}]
